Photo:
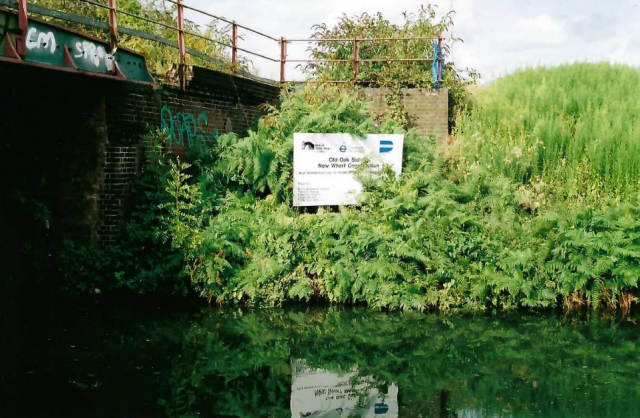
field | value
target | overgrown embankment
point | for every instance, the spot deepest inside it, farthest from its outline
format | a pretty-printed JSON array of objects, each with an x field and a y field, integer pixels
[
  {"x": 516, "y": 214},
  {"x": 573, "y": 132}
]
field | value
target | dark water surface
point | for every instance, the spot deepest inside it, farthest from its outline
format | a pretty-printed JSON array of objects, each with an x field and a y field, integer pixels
[{"x": 93, "y": 361}]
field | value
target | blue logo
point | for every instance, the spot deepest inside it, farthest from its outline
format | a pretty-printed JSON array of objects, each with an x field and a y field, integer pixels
[
  {"x": 381, "y": 408},
  {"x": 343, "y": 148},
  {"x": 386, "y": 146}
]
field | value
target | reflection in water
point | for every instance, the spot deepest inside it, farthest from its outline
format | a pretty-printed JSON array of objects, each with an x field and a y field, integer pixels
[
  {"x": 444, "y": 366},
  {"x": 322, "y": 393},
  {"x": 326, "y": 362}
]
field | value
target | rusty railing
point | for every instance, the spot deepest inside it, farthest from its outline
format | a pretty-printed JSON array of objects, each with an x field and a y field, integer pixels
[
  {"x": 182, "y": 33},
  {"x": 356, "y": 60}
]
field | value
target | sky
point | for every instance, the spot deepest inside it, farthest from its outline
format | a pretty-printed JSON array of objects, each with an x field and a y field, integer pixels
[{"x": 499, "y": 35}]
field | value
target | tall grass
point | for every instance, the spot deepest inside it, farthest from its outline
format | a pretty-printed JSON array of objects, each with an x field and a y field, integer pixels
[{"x": 572, "y": 130}]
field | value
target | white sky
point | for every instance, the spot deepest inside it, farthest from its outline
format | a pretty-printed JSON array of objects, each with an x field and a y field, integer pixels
[{"x": 499, "y": 35}]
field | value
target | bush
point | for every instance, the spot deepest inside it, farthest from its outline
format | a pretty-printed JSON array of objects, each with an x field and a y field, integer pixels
[
  {"x": 443, "y": 235},
  {"x": 452, "y": 232}
]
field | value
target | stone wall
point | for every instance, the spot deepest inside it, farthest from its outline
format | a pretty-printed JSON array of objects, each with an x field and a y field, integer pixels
[{"x": 428, "y": 109}]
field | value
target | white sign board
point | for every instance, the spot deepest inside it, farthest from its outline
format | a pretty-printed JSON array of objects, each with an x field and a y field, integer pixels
[
  {"x": 324, "y": 165},
  {"x": 325, "y": 394}
]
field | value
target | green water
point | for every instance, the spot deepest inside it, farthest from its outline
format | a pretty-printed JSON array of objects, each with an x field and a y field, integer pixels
[{"x": 319, "y": 362}]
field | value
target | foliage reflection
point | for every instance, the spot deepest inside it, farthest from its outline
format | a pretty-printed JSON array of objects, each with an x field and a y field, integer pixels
[{"x": 240, "y": 363}]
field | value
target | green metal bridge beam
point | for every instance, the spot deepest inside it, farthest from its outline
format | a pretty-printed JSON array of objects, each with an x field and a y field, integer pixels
[{"x": 50, "y": 45}]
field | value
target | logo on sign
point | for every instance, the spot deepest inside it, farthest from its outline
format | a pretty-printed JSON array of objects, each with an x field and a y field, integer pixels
[
  {"x": 343, "y": 148},
  {"x": 386, "y": 145},
  {"x": 308, "y": 145}
]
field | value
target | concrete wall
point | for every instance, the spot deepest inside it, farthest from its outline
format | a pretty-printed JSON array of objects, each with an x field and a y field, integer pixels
[{"x": 428, "y": 109}]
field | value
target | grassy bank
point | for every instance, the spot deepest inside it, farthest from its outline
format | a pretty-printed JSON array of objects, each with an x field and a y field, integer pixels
[{"x": 572, "y": 131}]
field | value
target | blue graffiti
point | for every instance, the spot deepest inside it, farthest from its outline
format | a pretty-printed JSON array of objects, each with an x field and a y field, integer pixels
[{"x": 185, "y": 129}]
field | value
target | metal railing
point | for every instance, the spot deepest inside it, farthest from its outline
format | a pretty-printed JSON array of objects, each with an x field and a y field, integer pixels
[
  {"x": 356, "y": 60},
  {"x": 182, "y": 32}
]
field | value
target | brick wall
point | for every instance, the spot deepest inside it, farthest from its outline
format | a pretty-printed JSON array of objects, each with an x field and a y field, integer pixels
[
  {"x": 73, "y": 144},
  {"x": 213, "y": 104},
  {"x": 428, "y": 109}
]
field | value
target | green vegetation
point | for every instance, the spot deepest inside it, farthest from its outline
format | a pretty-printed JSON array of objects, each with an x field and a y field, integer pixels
[
  {"x": 451, "y": 233},
  {"x": 394, "y": 75},
  {"x": 572, "y": 133},
  {"x": 389, "y": 74}
]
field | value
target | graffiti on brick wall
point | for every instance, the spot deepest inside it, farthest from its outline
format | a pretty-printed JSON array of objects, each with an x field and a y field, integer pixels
[{"x": 185, "y": 129}]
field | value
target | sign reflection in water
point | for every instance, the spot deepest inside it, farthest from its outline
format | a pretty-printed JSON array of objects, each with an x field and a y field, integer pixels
[{"x": 328, "y": 394}]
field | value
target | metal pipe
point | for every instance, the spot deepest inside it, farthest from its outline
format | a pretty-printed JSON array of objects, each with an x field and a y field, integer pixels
[
  {"x": 185, "y": 31},
  {"x": 356, "y": 56},
  {"x": 198, "y": 35},
  {"x": 201, "y": 36},
  {"x": 234, "y": 48},
  {"x": 23, "y": 23},
  {"x": 364, "y": 60},
  {"x": 113, "y": 25},
  {"x": 224, "y": 20},
  {"x": 256, "y": 54},
  {"x": 182, "y": 69},
  {"x": 396, "y": 60},
  {"x": 418, "y": 38},
  {"x": 320, "y": 60},
  {"x": 122, "y": 12},
  {"x": 104, "y": 6},
  {"x": 320, "y": 81},
  {"x": 257, "y": 33},
  {"x": 283, "y": 58}
]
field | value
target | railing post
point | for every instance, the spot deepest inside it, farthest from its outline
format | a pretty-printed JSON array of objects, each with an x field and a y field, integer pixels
[
  {"x": 356, "y": 57},
  {"x": 283, "y": 57},
  {"x": 23, "y": 22},
  {"x": 182, "y": 69},
  {"x": 234, "y": 49},
  {"x": 113, "y": 26}
]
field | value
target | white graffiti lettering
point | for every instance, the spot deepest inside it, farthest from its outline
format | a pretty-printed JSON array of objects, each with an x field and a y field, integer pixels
[
  {"x": 41, "y": 40},
  {"x": 94, "y": 54}
]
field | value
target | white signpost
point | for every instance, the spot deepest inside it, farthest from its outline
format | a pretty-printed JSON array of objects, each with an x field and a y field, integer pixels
[{"x": 324, "y": 165}]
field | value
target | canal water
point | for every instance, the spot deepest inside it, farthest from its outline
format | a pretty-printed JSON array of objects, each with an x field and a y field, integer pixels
[{"x": 97, "y": 361}]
